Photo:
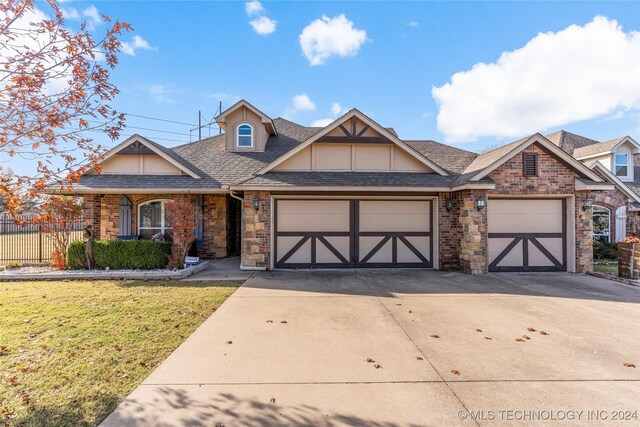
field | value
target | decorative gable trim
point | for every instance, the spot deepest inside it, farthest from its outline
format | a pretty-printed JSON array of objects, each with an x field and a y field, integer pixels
[
  {"x": 137, "y": 144},
  {"x": 351, "y": 136},
  {"x": 550, "y": 147},
  {"x": 615, "y": 181}
]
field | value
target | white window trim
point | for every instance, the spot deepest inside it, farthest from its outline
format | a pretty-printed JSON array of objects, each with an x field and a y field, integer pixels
[
  {"x": 608, "y": 235},
  {"x": 238, "y": 135},
  {"x": 162, "y": 228},
  {"x": 616, "y": 164}
]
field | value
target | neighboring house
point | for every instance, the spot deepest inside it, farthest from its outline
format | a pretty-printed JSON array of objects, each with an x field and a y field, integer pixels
[
  {"x": 353, "y": 194},
  {"x": 616, "y": 213}
]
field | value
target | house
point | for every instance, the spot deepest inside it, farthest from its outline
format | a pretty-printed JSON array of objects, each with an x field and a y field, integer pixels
[{"x": 354, "y": 194}]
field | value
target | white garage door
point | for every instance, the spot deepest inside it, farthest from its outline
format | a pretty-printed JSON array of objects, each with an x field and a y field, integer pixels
[
  {"x": 353, "y": 233},
  {"x": 527, "y": 234}
]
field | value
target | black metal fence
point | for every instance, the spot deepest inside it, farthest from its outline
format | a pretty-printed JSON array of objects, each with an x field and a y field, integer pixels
[{"x": 25, "y": 241}]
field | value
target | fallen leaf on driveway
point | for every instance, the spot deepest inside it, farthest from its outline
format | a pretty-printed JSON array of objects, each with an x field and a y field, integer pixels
[
  {"x": 526, "y": 337},
  {"x": 629, "y": 365},
  {"x": 377, "y": 366},
  {"x": 283, "y": 321},
  {"x": 229, "y": 342},
  {"x": 410, "y": 311},
  {"x": 398, "y": 304},
  {"x": 543, "y": 333},
  {"x": 370, "y": 360},
  {"x": 435, "y": 336},
  {"x": 455, "y": 372},
  {"x": 488, "y": 338},
  {"x": 272, "y": 400},
  {"x": 519, "y": 339},
  {"x": 530, "y": 329},
  {"x": 478, "y": 330},
  {"x": 269, "y": 321},
  {"x": 419, "y": 358}
]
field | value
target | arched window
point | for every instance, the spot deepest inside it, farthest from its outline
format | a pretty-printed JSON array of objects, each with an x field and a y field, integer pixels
[
  {"x": 152, "y": 219},
  {"x": 601, "y": 223},
  {"x": 244, "y": 135}
]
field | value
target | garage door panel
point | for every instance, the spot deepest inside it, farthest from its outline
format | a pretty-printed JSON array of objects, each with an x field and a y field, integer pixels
[
  {"x": 419, "y": 243},
  {"x": 527, "y": 234},
  {"x": 313, "y": 215},
  {"x": 325, "y": 255},
  {"x": 302, "y": 255},
  {"x": 396, "y": 216},
  {"x": 382, "y": 254}
]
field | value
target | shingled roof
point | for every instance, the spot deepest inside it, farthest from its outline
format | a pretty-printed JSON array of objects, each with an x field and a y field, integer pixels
[
  {"x": 601, "y": 147},
  {"x": 569, "y": 142}
]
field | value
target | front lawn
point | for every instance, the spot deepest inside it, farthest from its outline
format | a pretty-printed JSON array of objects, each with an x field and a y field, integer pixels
[
  {"x": 71, "y": 351},
  {"x": 609, "y": 268}
]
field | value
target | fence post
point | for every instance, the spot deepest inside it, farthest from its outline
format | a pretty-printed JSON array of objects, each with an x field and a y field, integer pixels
[{"x": 39, "y": 242}]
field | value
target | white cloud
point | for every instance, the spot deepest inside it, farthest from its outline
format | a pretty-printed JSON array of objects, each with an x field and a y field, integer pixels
[
  {"x": 162, "y": 93},
  {"x": 412, "y": 24},
  {"x": 336, "y": 109},
  {"x": 330, "y": 36},
  {"x": 130, "y": 48},
  {"x": 253, "y": 8},
  {"x": 299, "y": 103},
  {"x": 263, "y": 25},
  {"x": 94, "y": 18},
  {"x": 71, "y": 13},
  {"x": 320, "y": 123},
  {"x": 579, "y": 73}
]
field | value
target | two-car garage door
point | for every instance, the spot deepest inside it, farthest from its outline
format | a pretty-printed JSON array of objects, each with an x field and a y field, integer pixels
[
  {"x": 353, "y": 233},
  {"x": 527, "y": 234}
]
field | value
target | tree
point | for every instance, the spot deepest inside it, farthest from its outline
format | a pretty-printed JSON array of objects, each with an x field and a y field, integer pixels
[
  {"x": 56, "y": 89},
  {"x": 59, "y": 218},
  {"x": 183, "y": 216}
]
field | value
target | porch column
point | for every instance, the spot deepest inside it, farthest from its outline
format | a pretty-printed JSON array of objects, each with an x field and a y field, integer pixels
[
  {"x": 256, "y": 230},
  {"x": 584, "y": 234},
  {"x": 91, "y": 212},
  {"x": 473, "y": 242},
  {"x": 109, "y": 216}
]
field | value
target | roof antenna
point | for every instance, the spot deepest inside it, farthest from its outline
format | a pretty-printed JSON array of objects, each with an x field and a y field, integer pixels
[{"x": 199, "y": 125}]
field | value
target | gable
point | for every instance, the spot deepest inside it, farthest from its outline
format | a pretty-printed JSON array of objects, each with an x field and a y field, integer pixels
[
  {"x": 138, "y": 155},
  {"x": 354, "y": 142}
]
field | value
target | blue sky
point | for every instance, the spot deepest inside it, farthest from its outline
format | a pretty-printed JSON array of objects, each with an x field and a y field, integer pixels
[{"x": 199, "y": 52}]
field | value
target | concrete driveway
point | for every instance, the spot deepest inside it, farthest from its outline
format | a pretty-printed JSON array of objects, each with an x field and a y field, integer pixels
[{"x": 246, "y": 366}]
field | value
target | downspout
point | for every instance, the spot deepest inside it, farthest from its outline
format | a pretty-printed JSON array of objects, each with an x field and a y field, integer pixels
[{"x": 242, "y": 267}]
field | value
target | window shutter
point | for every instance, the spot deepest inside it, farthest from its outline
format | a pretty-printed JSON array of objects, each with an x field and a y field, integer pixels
[{"x": 530, "y": 164}]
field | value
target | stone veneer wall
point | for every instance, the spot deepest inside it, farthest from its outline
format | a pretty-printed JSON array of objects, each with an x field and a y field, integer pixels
[
  {"x": 91, "y": 212},
  {"x": 473, "y": 242},
  {"x": 584, "y": 235},
  {"x": 256, "y": 230},
  {"x": 215, "y": 226},
  {"x": 109, "y": 216}
]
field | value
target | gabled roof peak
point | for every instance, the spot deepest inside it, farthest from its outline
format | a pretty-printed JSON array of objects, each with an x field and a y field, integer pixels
[{"x": 266, "y": 120}]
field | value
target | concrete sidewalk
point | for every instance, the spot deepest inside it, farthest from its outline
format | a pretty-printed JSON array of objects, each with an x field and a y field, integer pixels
[
  {"x": 246, "y": 366},
  {"x": 222, "y": 269}
]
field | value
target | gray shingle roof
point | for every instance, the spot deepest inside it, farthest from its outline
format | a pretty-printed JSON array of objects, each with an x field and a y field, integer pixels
[
  {"x": 452, "y": 159},
  {"x": 601, "y": 147},
  {"x": 486, "y": 159},
  {"x": 635, "y": 185},
  {"x": 569, "y": 142},
  {"x": 364, "y": 179},
  {"x": 109, "y": 181}
]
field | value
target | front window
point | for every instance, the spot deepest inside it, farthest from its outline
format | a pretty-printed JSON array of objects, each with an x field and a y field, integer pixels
[
  {"x": 622, "y": 164},
  {"x": 153, "y": 221},
  {"x": 245, "y": 136},
  {"x": 601, "y": 223}
]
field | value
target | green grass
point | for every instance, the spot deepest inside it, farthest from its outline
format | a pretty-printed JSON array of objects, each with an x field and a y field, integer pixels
[
  {"x": 71, "y": 351},
  {"x": 606, "y": 268}
]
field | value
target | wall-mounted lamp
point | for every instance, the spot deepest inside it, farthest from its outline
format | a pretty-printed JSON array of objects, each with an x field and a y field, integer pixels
[
  {"x": 481, "y": 203},
  {"x": 449, "y": 204},
  {"x": 256, "y": 203},
  {"x": 588, "y": 204}
]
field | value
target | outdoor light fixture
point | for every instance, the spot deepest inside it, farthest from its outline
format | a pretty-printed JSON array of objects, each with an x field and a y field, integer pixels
[
  {"x": 588, "y": 204},
  {"x": 256, "y": 203},
  {"x": 481, "y": 203},
  {"x": 449, "y": 204}
]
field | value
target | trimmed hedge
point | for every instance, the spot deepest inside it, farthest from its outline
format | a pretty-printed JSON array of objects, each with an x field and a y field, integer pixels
[
  {"x": 121, "y": 254},
  {"x": 604, "y": 251}
]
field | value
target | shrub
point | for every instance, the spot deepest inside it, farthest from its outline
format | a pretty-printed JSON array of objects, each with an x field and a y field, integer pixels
[
  {"x": 604, "y": 251},
  {"x": 121, "y": 254}
]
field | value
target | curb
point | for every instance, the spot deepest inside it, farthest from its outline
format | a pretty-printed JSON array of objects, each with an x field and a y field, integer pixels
[
  {"x": 169, "y": 275},
  {"x": 615, "y": 278}
]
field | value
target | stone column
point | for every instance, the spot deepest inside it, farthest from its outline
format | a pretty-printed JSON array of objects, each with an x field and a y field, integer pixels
[
  {"x": 584, "y": 234},
  {"x": 109, "y": 216},
  {"x": 473, "y": 242},
  {"x": 256, "y": 230},
  {"x": 91, "y": 212},
  {"x": 215, "y": 226}
]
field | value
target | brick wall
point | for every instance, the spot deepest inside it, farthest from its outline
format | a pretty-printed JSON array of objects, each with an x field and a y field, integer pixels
[
  {"x": 449, "y": 230},
  {"x": 215, "y": 226},
  {"x": 256, "y": 232},
  {"x": 91, "y": 212},
  {"x": 473, "y": 242},
  {"x": 554, "y": 177}
]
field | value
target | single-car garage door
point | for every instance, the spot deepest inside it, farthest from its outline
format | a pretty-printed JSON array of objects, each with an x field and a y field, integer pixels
[
  {"x": 353, "y": 233},
  {"x": 527, "y": 234}
]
